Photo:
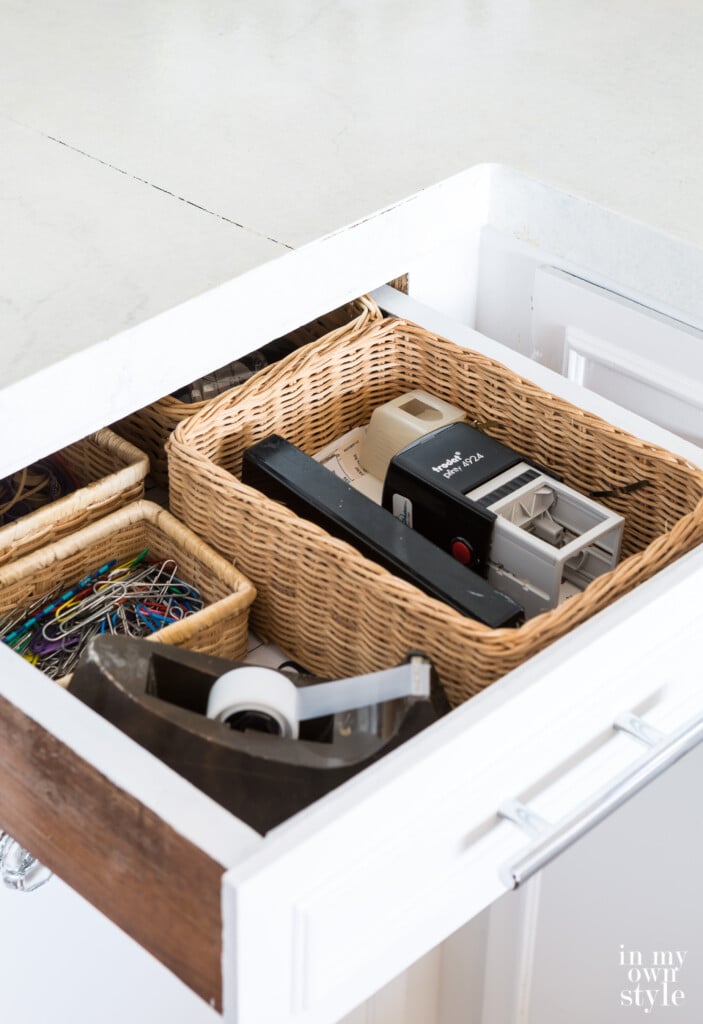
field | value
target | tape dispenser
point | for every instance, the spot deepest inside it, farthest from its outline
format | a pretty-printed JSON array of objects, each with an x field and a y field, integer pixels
[{"x": 263, "y": 743}]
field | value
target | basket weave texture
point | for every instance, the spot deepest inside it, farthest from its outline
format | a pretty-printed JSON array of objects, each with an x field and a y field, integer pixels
[
  {"x": 149, "y": 428},
  {"x": 400, "y": 283},
  {"x": 338, "y": 613},
  {"x": 111, "y": 474},
  {"x": 220, "y": 628}
]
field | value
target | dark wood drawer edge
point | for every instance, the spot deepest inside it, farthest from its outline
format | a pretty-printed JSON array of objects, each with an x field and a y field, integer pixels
[{"x": 157, "y": 886}]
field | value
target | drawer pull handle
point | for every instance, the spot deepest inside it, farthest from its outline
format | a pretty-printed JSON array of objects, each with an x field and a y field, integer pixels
[
  {"x": 19, "y": 870},
  {"x": 525, "y": 818},
  {"x": 548, "y": 840},
  {"x": 640, "y": 730}
]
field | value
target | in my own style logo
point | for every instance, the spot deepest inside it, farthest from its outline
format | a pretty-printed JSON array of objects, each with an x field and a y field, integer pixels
[{"x": 653, "y": 979}]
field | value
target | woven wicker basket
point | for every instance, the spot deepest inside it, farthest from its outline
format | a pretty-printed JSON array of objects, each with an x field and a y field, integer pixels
[
  {"x": 336, "y": 612},
  {"x": 220, "y": 628},
  {"x": 111, "y": 473},
  {"x": 401, "y": 284},
  {"x": 150, "y": 427}
]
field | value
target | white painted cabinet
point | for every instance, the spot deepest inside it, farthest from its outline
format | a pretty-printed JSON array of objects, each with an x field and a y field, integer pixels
[
  {"x": 646, "y": 361},
  {"x": 618, "y": 924},
  {"x": 332, "y": 905},
  {"x": 612, "y": 927}
]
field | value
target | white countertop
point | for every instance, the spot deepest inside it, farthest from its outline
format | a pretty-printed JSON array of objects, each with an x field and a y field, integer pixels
[{"x": 149, "y": 152}]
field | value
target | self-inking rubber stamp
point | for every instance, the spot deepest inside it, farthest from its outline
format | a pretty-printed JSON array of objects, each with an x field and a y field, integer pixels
[
  {"x": 492, "y": 508},
  {"x": 502, "y": 515}
]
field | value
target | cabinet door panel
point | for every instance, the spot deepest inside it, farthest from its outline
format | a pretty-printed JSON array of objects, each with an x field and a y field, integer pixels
[{"x": 643, "y": 360}]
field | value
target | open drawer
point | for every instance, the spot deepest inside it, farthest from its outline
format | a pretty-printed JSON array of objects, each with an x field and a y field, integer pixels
[{"x": 304, "y": 923}]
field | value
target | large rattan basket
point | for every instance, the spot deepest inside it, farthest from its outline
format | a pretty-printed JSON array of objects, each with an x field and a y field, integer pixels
[
  {"x": 111, "y": 474},
  {"x": 150, "y": 427},
  {"x": 336, "y": 612}
]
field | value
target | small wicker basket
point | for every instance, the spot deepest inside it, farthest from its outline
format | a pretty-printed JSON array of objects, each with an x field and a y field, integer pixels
[
  {"x": 110, "y": 472},
  {"x": 149, "y": 428},
  {"x": 220, "y": 628},
  {"x": 338, "y": 613}
]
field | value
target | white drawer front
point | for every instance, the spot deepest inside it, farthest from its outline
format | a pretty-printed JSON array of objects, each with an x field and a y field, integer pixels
[{"x": 345, "y": 897}]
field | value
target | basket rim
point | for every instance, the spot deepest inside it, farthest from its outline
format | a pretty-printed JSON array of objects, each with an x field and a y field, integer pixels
[
  {"x": 175, "y": 407},
  {"x": 121, "y": 479},
  {"x": 187, "y": 430},
  {"x": 243, "y": 590},
  {"x": 234, "y": 605}
]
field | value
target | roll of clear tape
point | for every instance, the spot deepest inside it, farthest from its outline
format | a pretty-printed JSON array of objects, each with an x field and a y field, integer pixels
[{"x": 252, "y": 688}]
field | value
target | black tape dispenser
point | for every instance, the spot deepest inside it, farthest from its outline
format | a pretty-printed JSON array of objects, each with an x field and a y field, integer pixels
[{"x": 263, "y": 743}]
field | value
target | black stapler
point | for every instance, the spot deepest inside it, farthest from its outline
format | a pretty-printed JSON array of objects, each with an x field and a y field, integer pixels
[{"x": 254, "y": 755}]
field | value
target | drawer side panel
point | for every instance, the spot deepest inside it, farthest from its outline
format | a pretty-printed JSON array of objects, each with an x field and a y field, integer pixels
[{"x": 154, "y": 884}]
